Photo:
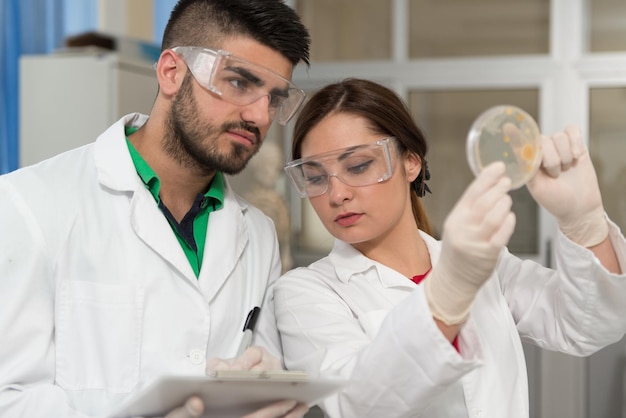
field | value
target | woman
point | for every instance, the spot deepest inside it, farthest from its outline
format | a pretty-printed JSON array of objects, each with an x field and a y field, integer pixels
[{"x": 450, "y": 345}]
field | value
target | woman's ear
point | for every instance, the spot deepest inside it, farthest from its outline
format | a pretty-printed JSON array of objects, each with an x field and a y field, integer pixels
[
  {"x": 170, "y": 72},
  {"x": 412, "y": 166}
]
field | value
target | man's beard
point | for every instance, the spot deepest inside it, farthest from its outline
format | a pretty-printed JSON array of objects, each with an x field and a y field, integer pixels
[{"x": 193, "y": 143}]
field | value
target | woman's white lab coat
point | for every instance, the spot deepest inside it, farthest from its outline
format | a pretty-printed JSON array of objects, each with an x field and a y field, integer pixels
[
  {"x": 354, "y": 317},
  {"x": 97, "y": 297}
]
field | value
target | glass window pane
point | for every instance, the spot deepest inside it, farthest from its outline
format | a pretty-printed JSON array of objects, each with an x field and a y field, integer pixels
[
  {"x": 607, "y": 133},
  {"x": 607, "y": 27},
  {"x": 607, "y": 146},
  {"x": 446, "y": 117},
  {"x": 137, "y": 25},
  {"x": 452, "y": 28},
  {"x": 345, "y": 30}
]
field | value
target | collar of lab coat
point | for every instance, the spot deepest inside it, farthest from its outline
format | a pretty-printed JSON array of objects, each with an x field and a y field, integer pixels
[
  {"x": 113, "y": 161},
  {"x": 349, "y": 262},
  {"x": 115, "y": 166},
  {"x": 116, "y": 171}
]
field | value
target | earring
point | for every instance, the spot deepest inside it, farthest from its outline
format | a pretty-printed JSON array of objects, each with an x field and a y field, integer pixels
[{"x": 419, "y": 184}]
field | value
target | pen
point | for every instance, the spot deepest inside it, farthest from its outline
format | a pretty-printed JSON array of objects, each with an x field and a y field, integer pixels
[{"x": 248, "y": 329}]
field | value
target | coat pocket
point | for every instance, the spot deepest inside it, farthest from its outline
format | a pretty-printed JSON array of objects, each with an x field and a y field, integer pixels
[{"x": 98, "y": 336}]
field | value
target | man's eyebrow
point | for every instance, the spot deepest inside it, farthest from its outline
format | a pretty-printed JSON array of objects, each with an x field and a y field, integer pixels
[
  {"x": 248, "y": 75},
  {"x": 276, "y": 92}
]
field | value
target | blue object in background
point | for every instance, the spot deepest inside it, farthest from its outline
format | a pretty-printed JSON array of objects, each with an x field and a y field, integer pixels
[
  {"x": 79, "y": 16},
  {"x": 31, "y": 27},
  {"x": 9, "y": 53},
  {"x": 161, "y": 10}
]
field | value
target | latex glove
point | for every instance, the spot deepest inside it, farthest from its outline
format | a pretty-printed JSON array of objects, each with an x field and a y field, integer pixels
[
  {"x": 474, "y": 233},
  {"x": 193, "y": 408},
  {"x": 258, "y": 358},
  {"x": 282, "y": 409},
  {"x": 566, "y": 186},
  {"x": 254, "y": 358}
]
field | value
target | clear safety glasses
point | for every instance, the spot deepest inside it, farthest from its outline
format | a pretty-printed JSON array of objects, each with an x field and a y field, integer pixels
[
  {"x": 355, "y": 166},
  {"x": 241, "y": 82}
]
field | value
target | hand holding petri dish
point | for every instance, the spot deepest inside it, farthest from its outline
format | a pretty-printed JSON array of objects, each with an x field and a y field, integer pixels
[{"x": 509, "y": 134}]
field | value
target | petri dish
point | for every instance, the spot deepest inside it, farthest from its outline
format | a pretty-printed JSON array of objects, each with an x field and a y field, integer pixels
[{"x": 509, "y": 134}]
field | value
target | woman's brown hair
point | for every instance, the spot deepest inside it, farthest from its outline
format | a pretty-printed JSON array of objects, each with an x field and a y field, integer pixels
[{"x": 388, "y": 116}]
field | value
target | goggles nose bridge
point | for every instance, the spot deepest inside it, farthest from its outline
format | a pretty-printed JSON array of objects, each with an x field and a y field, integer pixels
[
  {"x": 336, "y": 176},
  {"x": 328, "y": 184},
  {"x": 271, "y": 110}
]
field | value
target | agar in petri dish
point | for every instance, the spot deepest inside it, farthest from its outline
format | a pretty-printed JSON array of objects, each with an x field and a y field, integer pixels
[{"x": 509, "y": 134}]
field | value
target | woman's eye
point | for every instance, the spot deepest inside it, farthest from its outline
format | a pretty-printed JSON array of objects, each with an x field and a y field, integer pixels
[
  {"x": 360, "y": 168},
  {"x": 315, "y": 180}
]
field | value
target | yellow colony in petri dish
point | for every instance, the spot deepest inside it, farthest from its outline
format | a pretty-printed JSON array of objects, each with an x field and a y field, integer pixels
[{"x": 509, "y": 134}]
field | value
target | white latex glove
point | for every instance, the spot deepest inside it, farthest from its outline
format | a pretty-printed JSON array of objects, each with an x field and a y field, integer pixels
[
  {"x": 474, "y": 233},
  {"x": 566, "y": 186},
  {"x": 282, "y": 409},
  {"x": 193, "y": 408},
  {"x": 258, "y": 358},
  {"x": 254, "y": 358}
]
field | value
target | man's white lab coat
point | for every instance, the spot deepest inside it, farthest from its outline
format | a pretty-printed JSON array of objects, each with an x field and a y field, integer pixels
[
  {"x": 349, "y": 316},
  {"x": 97, "y": 297}
]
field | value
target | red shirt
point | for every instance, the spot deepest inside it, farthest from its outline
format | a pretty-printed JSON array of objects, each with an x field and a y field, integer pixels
[{"x": 417, "y": 280}]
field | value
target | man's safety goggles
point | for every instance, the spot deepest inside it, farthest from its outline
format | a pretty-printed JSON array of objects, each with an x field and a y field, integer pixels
[
  {"x": 241, "y": 82},
  {"x": 355, "y": 166}
]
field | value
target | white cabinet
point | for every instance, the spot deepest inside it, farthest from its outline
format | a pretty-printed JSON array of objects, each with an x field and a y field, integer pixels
[{"x": 67, "y": 99}]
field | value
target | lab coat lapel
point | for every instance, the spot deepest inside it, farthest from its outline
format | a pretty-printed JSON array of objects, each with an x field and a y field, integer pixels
[
  {"x": 152, "y": 227},
  {"x": 227, "y": 233},
  {"x": 227, "y": 236},
  {"x": 117, "y": 172}
]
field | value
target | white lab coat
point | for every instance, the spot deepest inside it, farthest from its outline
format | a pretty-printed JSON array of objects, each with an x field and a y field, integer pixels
[
  {"x": 349, "y": 316},
  {"x": 97, "y": 297}
]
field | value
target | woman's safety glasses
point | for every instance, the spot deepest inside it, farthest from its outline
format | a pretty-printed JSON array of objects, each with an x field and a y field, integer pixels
[
  {"x": 355, "y": 166},
  {"x": 241, "y": 82}
]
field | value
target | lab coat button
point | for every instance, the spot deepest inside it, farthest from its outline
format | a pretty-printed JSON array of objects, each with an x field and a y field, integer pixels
[{"x": 196, "y": 356}]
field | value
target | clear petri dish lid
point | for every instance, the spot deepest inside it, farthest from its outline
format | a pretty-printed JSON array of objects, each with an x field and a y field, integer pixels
[{"x": 509, "y": 134}]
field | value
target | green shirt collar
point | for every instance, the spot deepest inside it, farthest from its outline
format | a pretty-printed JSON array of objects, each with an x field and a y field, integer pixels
[{"x": 153, "y": 183}]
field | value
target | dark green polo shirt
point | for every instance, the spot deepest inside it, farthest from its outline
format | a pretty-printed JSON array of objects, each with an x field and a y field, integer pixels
[{"x": 191, "y": 231}]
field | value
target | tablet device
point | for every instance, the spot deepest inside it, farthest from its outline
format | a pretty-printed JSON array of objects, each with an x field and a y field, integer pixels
[{"x": 230, "y": 394}]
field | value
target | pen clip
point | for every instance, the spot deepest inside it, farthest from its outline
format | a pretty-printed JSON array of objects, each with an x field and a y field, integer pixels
[{"x": 253, "y": 315}]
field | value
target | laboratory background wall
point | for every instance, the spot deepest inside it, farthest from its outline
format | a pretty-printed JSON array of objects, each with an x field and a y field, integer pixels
[{"x": 563, "y": 61}]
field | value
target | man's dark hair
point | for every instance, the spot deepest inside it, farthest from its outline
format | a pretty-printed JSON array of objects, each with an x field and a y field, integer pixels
[{"x": 208, "y": 22}]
